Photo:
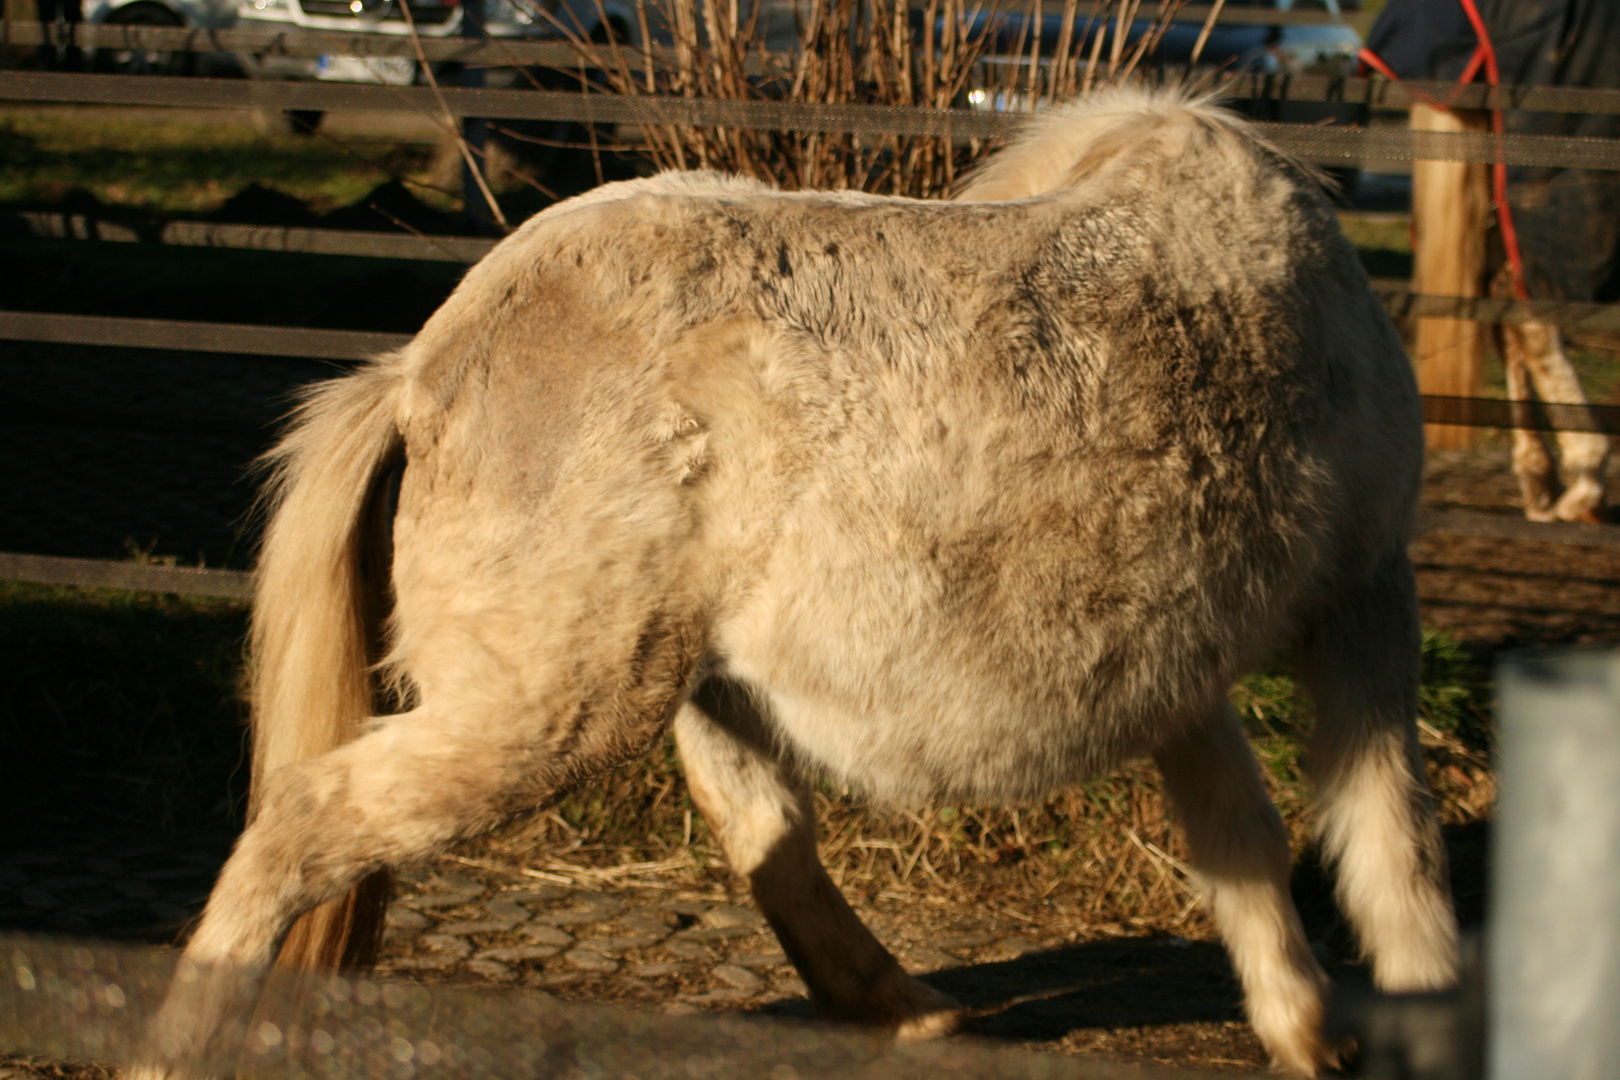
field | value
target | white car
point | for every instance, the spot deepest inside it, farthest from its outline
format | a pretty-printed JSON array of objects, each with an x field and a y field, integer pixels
[{"x": 433, "y": 19}]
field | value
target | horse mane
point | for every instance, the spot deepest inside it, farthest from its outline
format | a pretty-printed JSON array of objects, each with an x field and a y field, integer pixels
[{"x": 1060, "y": 147}]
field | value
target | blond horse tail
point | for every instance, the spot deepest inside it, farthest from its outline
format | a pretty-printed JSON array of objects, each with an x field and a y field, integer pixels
[{"x": 318, "y": 616}]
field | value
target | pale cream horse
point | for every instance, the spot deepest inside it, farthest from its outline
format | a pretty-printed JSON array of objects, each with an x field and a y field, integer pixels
[{"x": 948, "y": 500}]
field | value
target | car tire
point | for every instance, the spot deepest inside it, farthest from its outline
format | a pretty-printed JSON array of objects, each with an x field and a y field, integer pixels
[
  {"x": 288, "y": 121},
  {"x": 144, "y": 61}
]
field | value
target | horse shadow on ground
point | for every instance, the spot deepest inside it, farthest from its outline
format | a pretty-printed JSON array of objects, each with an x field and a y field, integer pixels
[
  {"x": 1121, "y": 983},
  {"x": 1142, "y": 982}
]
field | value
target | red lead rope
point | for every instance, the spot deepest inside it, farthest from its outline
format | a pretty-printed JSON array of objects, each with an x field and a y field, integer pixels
[{"x": 1484, "y": 56}]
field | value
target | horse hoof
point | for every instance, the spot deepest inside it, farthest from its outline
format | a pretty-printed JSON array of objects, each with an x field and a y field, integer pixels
[{"x": 929, "y": 1015}]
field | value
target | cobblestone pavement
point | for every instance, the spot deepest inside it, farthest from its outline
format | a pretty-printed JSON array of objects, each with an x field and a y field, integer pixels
[{"x": 1043, "y": 980}]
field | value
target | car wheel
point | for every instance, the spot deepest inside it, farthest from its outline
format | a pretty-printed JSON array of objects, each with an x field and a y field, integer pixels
[
  {"x": 288, "y": 121},
  {"x": 144, "y": 61}
]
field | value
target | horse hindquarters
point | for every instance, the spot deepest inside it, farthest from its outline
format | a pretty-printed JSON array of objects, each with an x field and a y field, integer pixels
[{"x": 532, "y": 672}]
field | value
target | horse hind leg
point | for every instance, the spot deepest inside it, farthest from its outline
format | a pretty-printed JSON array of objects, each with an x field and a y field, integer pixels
[
  {"x": 446, "y": 771},
  {"x": 1583, "y": 455},
  {"x": 765, "y": 819},
  {"x": 1533, "y": 467},
  {"x": 1239, "y": 850},
  {"x": 1360, "y": 659}
]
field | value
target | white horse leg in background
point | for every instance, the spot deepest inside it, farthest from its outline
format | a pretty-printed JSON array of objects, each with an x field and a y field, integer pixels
[{"x": 1572, "y": 488}]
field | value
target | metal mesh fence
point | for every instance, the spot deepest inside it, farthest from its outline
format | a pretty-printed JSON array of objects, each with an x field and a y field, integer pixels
[
  {"x": 91, "y": 1001},
  {"x": 1321, "y": 144},
  {"x": 1374, "y": 91}
]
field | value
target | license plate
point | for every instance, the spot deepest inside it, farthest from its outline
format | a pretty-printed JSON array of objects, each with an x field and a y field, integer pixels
[{"x": 393, "y": 70}]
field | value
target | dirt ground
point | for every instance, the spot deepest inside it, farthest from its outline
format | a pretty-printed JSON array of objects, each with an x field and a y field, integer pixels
[
  {"x": 1496, "y": 594},
  {"x": 676, "y": 937}
]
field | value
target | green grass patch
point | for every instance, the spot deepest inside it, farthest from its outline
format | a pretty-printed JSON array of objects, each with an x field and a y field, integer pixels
[
  {"x": 138, "y": 159},
  {"x": 1453, "y": 698},
  {"x": 1384, "y": 243}
]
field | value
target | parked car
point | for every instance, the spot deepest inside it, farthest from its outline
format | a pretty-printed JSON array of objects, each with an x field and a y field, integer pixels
[
  {"x": 197, "y": 14},
  {"x": 432, "y": 18},
  {"x": 1328, "y": 48},
  {"x": 1280, "y": 48}
]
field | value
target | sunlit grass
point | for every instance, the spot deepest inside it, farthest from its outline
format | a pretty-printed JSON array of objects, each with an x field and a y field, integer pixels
[
  {"x": 142, "y": 160},
  {"x": 1378, "y": 233}
]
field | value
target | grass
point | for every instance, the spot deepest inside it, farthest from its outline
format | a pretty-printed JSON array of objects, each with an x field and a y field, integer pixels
[
  {"x": 137, "y": 158},
  {"x": 120, "y": 708},
  {"x": 131, "y": 704},
  {"x": 1384, "y": 243}
]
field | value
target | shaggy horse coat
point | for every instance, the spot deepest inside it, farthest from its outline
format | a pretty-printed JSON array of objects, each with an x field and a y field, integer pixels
[{"x": 948, "y": 500}]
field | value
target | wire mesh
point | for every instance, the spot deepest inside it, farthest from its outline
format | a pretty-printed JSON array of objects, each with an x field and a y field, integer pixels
[{"x": 93, "y": 1001}]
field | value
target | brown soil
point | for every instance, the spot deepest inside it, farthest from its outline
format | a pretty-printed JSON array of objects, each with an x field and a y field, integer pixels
[{"x": 1497, "y": 594}]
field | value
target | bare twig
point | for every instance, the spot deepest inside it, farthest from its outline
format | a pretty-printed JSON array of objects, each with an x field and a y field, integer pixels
[
  {"x": 1203, "y": 34},
  {"x": 473, "y": 167}
]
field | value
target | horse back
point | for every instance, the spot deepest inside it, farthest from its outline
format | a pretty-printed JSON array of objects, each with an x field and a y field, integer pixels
[{"x": 977, "y": 496}]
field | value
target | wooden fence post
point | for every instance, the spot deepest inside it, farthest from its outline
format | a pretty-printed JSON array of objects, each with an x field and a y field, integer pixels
[{"x": 1451, "y": 206}]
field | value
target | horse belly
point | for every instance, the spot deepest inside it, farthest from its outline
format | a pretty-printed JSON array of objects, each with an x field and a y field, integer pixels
[{"x": 868, "y": 681}]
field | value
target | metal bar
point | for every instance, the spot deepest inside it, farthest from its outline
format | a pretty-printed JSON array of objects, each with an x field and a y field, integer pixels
[
  {"x": 1524, "y": 415},
  {"x": 1197, "y": 13},
  {"x": 593, "y": 108},
  {"x": 1328, "y": 143},
  {"x": 1397, "y": 298},
  {"x": 65, "y": 225},
  {"x": 238, "y": 584},
  {"x": 362, "y": 344},
  {"x": 93, "y": 1001},
  {"x": 1374, "y": 92},
  {"x": 1380, "y": 93},
  {"x": 197, "y": 336},
  {"x": 1553, "y": 936},
  {"x": 135, "y": 577},
  {"x": 1401, "y": 302},
  {"x": 1317, "y": 143}
]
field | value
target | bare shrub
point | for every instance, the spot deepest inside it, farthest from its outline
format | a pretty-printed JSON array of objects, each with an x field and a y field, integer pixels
[{"x": 854, "y": 52}]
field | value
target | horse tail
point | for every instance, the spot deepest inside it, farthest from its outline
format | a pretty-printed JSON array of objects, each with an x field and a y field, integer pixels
[{"x": 320, "y": 606}]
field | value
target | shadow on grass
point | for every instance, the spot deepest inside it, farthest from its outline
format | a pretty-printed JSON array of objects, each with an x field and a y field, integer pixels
[{"x": 122, "y": 713}]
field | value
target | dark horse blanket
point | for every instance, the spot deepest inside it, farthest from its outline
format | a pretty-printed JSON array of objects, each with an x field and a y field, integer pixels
[{"x": 1568, "y": 219}]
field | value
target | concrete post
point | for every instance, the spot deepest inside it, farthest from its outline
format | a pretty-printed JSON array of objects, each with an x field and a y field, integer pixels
[{"x": 1553, "y": 938}]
